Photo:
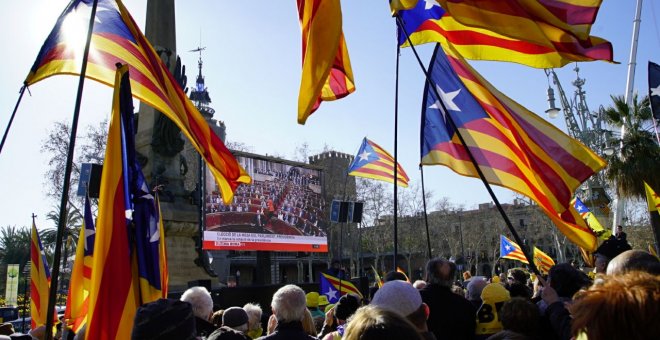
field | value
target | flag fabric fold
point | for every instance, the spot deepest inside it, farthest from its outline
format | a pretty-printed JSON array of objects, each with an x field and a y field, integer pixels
[
  {"x": 398, "y": 5},
  {"x": 377, "y": 278},
  {"x": 654, "y": 88},
  {"x": 372, "y": 161},
  {"x": 513, "y": 147},
  {"x": 591, "y": 219},
  {"x": 117, "y": 39},
  {"x": 77, "y": 300},
  {"x": 129, "y": 240},
  {"x": 511, "y": 250},
  {"x": 39, "y": 281},
  {"x": 652, "y": 199},
  {"x": 542, "y": 261},
  {"x": 429, "y": 22},
  {"x": 326, "y": 68},
  {"x": 334, "y": 288}
]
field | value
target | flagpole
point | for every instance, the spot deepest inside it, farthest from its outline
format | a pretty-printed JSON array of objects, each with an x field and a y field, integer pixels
[
  {"x": 13, "y": 114},
  {"x": 67, "y": 177},
  {"x": 396, "y": 164},
  {"x": 426, "y": 219},
  {"x": 469, "y": 153}
]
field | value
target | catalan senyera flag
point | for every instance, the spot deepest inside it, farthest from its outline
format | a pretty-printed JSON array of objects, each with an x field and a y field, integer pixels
[
  {"x": 372, "y": 161},
  {"x": 117, "y": 39},
  {"x": 332, "y": 288},
  {"x": 591, "y": 219},
  {"x": 513, "y": 147},
  {"x": 77, "y": 301},
  {"x": 652, "y": 199},
  {"x": 428, "y": 22},
  {"x": 326, "y": 67},
  {"x": 39, "y": 281},
  {"x": 114, "y": 291},
  {"x": 511, "y": 250},
  {"x": 542, "y": 261}
]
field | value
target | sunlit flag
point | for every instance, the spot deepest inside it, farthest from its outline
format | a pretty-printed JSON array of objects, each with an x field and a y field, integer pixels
[
  {"x": 117, "y": 39},
  {"x": 372, "y": 161},
  {"x": 334, "y": 288},
  {"x": 511, "y": 250},
  {"x": 39, "y": 281}
]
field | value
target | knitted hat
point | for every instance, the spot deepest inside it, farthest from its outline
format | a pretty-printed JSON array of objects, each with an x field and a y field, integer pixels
[
  {"x": 495, "y": 292},
  {"x": 312, "y": 299},
  {"x": 399, "y": 297},
  {"x": 475, "y": 287},
  {"x": 164, "y": 319},
  {"x": 346, "y": 306},
  {"x": 234, "y": 317}
]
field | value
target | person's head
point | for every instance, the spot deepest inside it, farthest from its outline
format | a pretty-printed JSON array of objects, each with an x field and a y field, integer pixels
[
  {"x": 395, "y": 275},
  {"x": 475, "y": 287},
  {"x": 216, "y": 318},
  {"x": 517, "y": 289},
  {"x": 503, "y": 278},
  {"x": 336, "y": 264},
  {"x": 345, "y": 307},
  {"x": 254, "y": 313},
  {"x": 375, "y": 323},
  {"x": 312, "y": 300},
  {"x": 323, "y": 301},
  {"x": 419, "y": 284},
  {"x": 631, "y": 260},
  {"x": 567, "y": 280},
  {"x": 235, "y": 318},
  {"x": 516, "y": 275},
  {"x": 440, "y": 271},
  {"x": 619, "y": 229},
  {"x": 308, "y": 323},
  {"x": 618, "y": 307},
  {"x": 164, "y": 319},
  {"x": 467, "y": 275},
  {"x": 289, "y": 304},
  {"x": 520, "y": 315},
  {"x": 200, "y": 300},
  {"x": 402, "y": 298},
  {"x": 600, "y": 263}
]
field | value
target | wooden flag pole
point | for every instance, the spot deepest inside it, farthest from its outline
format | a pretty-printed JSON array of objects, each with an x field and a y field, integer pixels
[
  {"x": 13, "y": 114},
  {"x": 513, "y": 231},
  {"x": 67, "y": 177}
]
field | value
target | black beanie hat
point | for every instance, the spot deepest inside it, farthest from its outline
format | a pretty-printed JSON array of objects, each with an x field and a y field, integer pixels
[
  {"x": 165, "y": 319},
  {"x": 346, "y": 306}
]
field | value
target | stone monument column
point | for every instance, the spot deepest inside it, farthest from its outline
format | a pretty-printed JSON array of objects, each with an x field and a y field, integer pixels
[{"x": 160, "y": 147}]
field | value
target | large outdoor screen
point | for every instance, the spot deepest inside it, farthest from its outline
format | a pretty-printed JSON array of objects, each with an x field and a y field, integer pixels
[{"x": 281, "y": 210}]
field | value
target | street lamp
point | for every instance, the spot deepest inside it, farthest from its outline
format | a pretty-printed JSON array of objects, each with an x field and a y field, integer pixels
[{"x": 552, "y": 111}]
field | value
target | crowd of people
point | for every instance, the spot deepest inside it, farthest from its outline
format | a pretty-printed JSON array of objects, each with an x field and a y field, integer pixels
[{"x": 622, "y": 302}]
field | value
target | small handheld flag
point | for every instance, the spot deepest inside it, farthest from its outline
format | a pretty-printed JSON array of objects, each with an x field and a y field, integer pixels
[
  {"x": 374, "y": 162},
  {"x": 542, "y": 260}
]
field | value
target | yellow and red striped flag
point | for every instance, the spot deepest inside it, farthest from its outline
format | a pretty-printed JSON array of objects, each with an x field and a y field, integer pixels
[
  {"x": 512, "y": 146},
  {"x": 334, "y": 288},
  {"x": 117, "y": 39},
  {"x": 458, "y": 26},
  {"x": 326, "y": 69},
  {"x": 542, "y": 260},
  {"x": 77, "y": 302},
  {"x": 379, "y": 281},
  {"x": 114, "y": 295},
  {"x": 372, "y": 161},
  {"x": 39, "y": 281},
  {"x": 511, "y": 250}
]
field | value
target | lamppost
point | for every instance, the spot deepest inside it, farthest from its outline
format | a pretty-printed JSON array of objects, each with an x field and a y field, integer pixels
[{"x": 460, "y": 232}]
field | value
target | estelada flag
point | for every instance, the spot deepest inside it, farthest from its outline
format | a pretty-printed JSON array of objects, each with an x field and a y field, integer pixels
[
  {"x": 117, "y": 39},
  {"x": 334, "y": 288}
]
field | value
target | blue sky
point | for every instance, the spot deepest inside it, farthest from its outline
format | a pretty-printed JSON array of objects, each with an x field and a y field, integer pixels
[{"x": 252, "y": 68}]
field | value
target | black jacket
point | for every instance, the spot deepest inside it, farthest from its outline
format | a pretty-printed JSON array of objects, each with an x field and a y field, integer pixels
[
  {"x": 226, "y": 333},
  {"x": 451, "y": 316}
]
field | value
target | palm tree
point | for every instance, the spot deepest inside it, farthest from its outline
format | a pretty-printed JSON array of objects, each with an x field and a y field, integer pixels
[
  {"x": 71, "y": 230},
  {"x": 639, "y": 159}
]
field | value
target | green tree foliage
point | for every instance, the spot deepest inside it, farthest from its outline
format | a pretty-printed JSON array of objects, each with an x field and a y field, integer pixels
[
  {"x": 14, "y": 248},
  {"x": 639, "y": 159}
]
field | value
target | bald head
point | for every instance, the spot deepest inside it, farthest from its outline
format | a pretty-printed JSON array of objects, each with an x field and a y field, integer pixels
[
  {"x": 634, "y": 260},
  {"x": 440, "y": 271}
]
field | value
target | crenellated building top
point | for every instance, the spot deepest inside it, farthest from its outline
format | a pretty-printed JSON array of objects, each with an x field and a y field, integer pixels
[{"x": 330, "y": 155}]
